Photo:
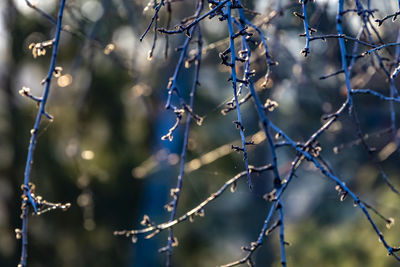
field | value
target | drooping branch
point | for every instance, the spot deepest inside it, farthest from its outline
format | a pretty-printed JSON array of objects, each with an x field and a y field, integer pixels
[
  {"x": 232, "y": 64},
  {"x": 240, "y": 61},
  {"x": 306, "y": 49},
  {"x": 153, "y": 229},
  {"x": 176, "y": 192},
  {"x": 343, "y": 52},
  {"x": 28, "y": 199}
]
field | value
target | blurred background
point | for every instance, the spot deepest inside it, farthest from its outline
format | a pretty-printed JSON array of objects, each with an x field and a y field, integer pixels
[{"x": 103, "y": 152}]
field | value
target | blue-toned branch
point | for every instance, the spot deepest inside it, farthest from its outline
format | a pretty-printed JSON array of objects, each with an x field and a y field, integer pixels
[
  {"x": 306, "y": 49},
  {"x": 154, "y": 229},
  {"x": 176, "y": 192},
  {"x": 282, "y": 234},
  {"x": 153, "y": 19},
  {"x": 234, "y": 86},
  {"x": 343, "y": 52},
  {"x": 182, "y": 28},
  {"x": 28, "y": 199}
]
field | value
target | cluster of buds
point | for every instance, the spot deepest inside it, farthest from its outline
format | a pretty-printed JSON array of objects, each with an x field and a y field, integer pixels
[
  {"x": 39, "y": 205},
  {"x": 270, "y": 105},
  {"x": 341, "y": 192},
  {"x": 25, "y": 91},
  {"x": 39, "y": 49},
  {"x": 57, "y": 71},
  {"x": 179, "y": 113}
]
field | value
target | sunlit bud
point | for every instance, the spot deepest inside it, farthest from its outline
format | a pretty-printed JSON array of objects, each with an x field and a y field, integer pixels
[
  {"x": 336, "y": 150},
  {"x": 199, "y": 121},
  {"x": 200, "y": 213},
  {"x": 145, "y": 221},
  {"x": 175, "y": 242},
  {"x": 150, "y": 55},
  {"x": 233, "y": 187},
  {"x": 174, "y": 192},
  {"x": 57, "y": 71},
  {"x": 270, "y": 105},
  {"x": 152, "y": 234},
  {"x": 18, "y": 233},
  {"x": 25, "y": 91},
  {"x": 390, "y": 223},
  {"x": 109, "y": 48},
  {"x": 191, "y": 218},
  {"x": 187, "y": 64},
  {"x": 168, "y": 207},
  {"x": 169, "y": 83}
]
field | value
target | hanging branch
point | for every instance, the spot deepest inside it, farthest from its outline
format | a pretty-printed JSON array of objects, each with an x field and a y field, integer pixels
[
  {"x": 278, "y": 188},
  {"x": 306, "y": 49},
  {"x": 153, "y": 229},
  {"x": 172, "y": 85},
  {"x": 29, "y": 199},
  {"x": 305, "y": 155},
  {"x": 282, "y": 235},
  {"x": 275, "y": 198},
  {"x": 153, "y": 19},
  {"x": 343, "y": 53},
  {"x": 176, "y": 192},
  {"x": 232, "y": 65},
  {"x": 393, "y": 92},
  {"x": 270, "y": 62},
  {"x": 240, "y": 61}
]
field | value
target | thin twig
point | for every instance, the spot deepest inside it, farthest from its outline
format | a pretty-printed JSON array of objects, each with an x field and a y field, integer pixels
[{"x": 176, "y": 192}]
